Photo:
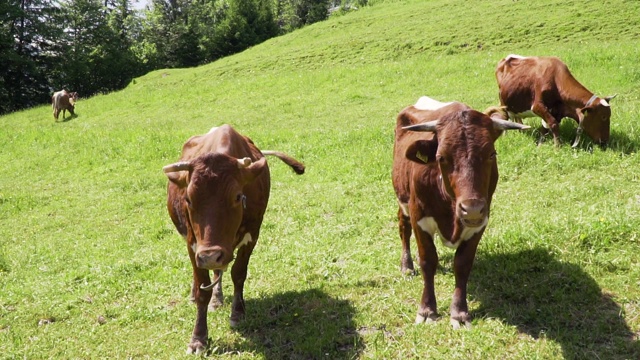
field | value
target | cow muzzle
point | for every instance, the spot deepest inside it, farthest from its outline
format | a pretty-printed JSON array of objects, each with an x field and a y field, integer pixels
[
  {"x": 213, "y": 258},
  {"x": 472, "y": 212}
]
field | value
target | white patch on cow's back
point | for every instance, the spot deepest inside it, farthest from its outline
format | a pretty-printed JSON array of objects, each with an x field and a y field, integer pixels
[
  {"x": 404, "y": 207},
  {"x": 427, "y": 103},
  {"x": 212, "y": 130},
  {"x": 514, "y": 56},
  {"x": 245, "y": 240}
]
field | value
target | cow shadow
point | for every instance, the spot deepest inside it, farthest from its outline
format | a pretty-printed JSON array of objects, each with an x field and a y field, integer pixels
[
  {"x": 67, "y": 118},
  {"x": 546, "y": 298},
  {"x": 297, "y": 325},
  {"x": 619, "y": 141}
]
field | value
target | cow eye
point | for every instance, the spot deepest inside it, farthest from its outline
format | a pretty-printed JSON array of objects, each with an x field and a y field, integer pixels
[
  {"x": 440, "y": 158},
  {"x": 239, "y": 197},
  {"x": 493, "y": 155},
  {"x": 188, "y": 201}
]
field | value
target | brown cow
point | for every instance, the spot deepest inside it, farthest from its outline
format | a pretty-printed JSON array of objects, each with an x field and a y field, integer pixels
[
  {"x": 444, "y": 175},
  {"x": 63, "y": 100},
  {"x": 544, "y": 87},
  {"x": 217, "y": 196}
]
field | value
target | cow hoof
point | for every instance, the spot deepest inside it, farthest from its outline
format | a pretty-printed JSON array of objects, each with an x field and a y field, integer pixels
[
  {"x": 428, "y": 319},
  {"x": 196, "y": 347},
  {"x": 456, "y": 324},
  {"x": 408, "y": 271},
  {"x": 235, "y": 319}
]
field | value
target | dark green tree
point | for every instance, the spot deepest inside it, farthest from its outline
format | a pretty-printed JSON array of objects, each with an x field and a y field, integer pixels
[{"x": 26, "y": 38}]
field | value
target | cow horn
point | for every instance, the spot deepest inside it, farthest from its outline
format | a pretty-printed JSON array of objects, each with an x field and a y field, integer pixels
[
  {"x": 179, "y": 166},
  {"x": 427, "y": 126},
  {"x": 500, "y": 124},
  {"x": 244, "y": 162}
]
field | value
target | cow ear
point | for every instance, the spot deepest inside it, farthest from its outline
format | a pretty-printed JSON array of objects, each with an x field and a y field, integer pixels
[
  {"x": 179, "y": 173},
  {"x": 251, "y": 170},
  {"x": 422, "y": 151}
]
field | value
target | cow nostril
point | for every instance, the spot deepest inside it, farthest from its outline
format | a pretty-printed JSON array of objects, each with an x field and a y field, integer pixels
[{"x": 472, "y": 208}]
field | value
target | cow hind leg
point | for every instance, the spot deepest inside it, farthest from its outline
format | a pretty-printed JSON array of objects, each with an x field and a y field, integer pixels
[
  {"x": 404, "y": 225},
  {"x": 217, "y": 299},
  {"x": 238, "y": 276}
]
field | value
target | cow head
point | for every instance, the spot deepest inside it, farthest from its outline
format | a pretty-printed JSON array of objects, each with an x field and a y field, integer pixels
[
  {"x": 214, "y": 202},
  {"x": 595, "y": 120},
  {"x": 463, "y": 150}
]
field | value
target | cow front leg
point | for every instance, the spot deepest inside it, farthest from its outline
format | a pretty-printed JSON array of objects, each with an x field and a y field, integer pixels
[
  {"x": 404, "y": 225},
  {"x": 553, "y": 124},
  {"x": 199, "y": 338},
  {"x": 428, "y": 262},
  {"x": 462, "y": 264},
  {"x": 238, "y": 276}
]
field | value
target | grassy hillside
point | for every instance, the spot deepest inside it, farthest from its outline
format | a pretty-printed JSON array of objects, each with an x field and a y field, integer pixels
[{"x": 91, "y": 266}]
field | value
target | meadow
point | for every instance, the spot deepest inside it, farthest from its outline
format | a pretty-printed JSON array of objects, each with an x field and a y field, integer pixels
[{"x": 92, "y": 267}]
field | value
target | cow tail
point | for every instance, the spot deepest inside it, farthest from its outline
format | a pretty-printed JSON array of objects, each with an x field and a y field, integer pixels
[{"x": 297, "y": 166}]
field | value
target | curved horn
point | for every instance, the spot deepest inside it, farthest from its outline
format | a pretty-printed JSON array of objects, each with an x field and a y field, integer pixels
[
  {"x": 179, "y": 166},
  {"x": 500, "y": 124},
  {"x": 427, "y": 126},
  {"x": 244, "y": 162}
]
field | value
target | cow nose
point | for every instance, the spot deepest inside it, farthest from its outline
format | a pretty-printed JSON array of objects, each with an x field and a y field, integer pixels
[
  {"x": 210, "y": 258},
  {"x": 473, "y": 211}
]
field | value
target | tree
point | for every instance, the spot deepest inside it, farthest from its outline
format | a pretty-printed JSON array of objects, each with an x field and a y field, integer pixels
[{"x": 26, "y": 37}]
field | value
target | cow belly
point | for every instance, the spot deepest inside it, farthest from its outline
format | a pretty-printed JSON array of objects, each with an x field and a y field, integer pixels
[
  {"x": 429, "y": 225},
  {"x": 522, "y": 115},
  {"x": 526, "y": 114}
]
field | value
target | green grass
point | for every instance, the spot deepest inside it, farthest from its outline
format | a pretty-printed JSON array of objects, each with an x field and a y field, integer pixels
[{"x": 91, "y": 266}]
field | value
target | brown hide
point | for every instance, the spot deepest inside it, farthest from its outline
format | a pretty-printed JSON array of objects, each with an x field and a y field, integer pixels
[
  {"x": 63, "y": 101},
  {"x": 217, "y": 196},
  {"x": 444, "y": 180},
  {"x": 544, "y": 86}
]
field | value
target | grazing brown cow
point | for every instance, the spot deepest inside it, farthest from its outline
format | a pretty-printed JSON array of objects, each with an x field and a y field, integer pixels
[
  {"x": 444, "y": 174},
  {"x": 217, "y": 196},
  {"x": 544, "y": 87},
  {"x": 63, "y": 101}
]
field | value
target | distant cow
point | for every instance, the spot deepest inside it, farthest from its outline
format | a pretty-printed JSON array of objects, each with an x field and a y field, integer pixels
[
  {"x": 444, "y": 175},
  {"x": 544, "y": 87},
  {"x": 216, "y": 197},
  {"x": 63, "y": 101}
]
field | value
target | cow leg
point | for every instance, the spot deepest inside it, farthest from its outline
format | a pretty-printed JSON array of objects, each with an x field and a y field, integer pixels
[
  {"x": 406, "y": 263},
  {"x": 238, "y": 276},
  {"x": 217, "y": 298},
  {"x": 428, "y": 262},
  {"x": 552, "y": 124},
  {"x": 200, "y": 335},
  {"x": 462, "y": 264}
]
